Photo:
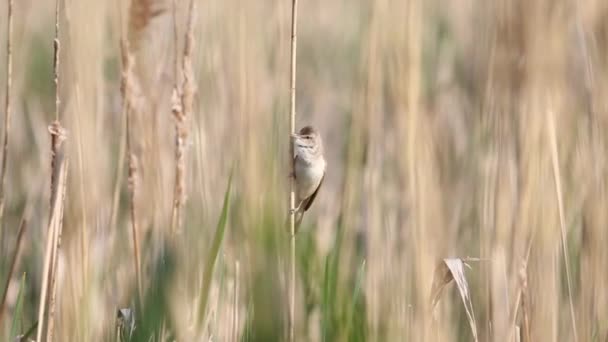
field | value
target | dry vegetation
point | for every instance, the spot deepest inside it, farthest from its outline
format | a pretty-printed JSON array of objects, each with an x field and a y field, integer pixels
[{"x": 466, "y": 197}]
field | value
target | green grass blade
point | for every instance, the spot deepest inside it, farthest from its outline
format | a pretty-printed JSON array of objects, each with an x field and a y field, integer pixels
[
  {"x": 213, "y": 253},
  {"x": 355, "y": 299},
  {"x": 18, "y": 309}
]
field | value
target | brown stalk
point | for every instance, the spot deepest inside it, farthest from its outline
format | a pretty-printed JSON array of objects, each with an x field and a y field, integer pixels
[
  {"x": 83, "y": 209},
  {"x": 519, "y": 297},
  {"x": 128, "y": 106},
  {"x": 12, "y": 264},
  {"x": 132, "y": 179},
  {"x": 58, "y": 182},
  {"x": 7, "y": 103},
  {"x": 60, "y": 179},
  {"x": 562, "y": 219},
  {"x": 59, "y": 172},
  {"x": 292, "y": 196},
  {"x": 182, "y": 109},
  {"x": 141, "y": 12}
]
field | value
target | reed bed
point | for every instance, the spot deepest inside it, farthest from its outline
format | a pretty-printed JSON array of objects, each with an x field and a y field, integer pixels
[{"x": 465, "y": 198}]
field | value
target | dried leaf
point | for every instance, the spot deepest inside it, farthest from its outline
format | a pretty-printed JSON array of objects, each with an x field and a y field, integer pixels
[{"x": 448, "y": 270}]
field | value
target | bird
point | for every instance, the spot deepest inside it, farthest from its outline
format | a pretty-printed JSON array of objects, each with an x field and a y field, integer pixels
[{"x": 309, "y": 168}]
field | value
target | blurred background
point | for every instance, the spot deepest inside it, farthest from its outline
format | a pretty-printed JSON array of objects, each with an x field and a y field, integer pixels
[{"x": 468, "y": 133}]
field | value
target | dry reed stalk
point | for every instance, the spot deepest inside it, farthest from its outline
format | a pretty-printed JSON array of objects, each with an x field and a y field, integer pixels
[
  {"x": 123, "y": 140},
  {"x": 57, "y": 136},
  {"x": 58, "y": 177},
  {"x": 12, "y": 266},
  {"x": 562, "y": 219},
  {"x": 119, "y": 171},
  {"x": 141, "y": 12},
  {"x": 132, "y": 180},
  {"x": 292, "y": 196},
  {"x": 83, "y": 211},
  {"x": 182, "y": 109},
  {"x": 127, "y": 94},
  {"x": 7, "y": 103},
  {"x": 178, "y": 115},
  {"x": 523, "y": 279},
  {"x": 60, "y": 169},
  {"x": 127, "y": 91},
  {"x": 522, "y": 287}
]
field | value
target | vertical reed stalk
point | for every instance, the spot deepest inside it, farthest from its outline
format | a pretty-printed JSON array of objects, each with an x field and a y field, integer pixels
[
  {"x": 59, "y": 174},
  {"x": 132, "y": 174},
  {"x": 562, "y": 219},
  {"x": 126, "y": 89},
  {"x": 182, "y": 109},
  {"x": 59, "y": 169},
  {"x": 59, "y": 177},
  {"x": 178, "y": 115},
  {"x": 83, "y": 208},
  {"x": 292, "y": 196},
  {"x": 7, "y": 103}
]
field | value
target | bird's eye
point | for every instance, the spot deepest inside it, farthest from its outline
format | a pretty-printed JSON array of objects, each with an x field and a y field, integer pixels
[{"x": 308, "y": 137}]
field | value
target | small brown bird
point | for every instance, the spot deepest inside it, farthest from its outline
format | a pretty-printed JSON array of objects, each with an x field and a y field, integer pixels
[{"x": 308, "y": 167}]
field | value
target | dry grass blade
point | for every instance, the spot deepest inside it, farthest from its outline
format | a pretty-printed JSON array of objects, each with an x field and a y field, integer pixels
[
  {"x": 562, "y": 219},
  {"x": 448, "y": 270},
  {"x": 7, "y": 103},
  {"x": 441, "y": 279}
]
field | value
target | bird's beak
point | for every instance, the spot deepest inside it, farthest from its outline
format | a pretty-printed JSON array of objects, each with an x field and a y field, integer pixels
[{"x": 294, "y": 136}]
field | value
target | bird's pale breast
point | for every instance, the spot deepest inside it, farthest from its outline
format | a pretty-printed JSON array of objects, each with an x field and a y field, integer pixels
[{"x": 308, "y": 176}]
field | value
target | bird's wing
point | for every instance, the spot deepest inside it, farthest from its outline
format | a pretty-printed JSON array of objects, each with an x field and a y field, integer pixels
[{"x": 311, "y": 198}]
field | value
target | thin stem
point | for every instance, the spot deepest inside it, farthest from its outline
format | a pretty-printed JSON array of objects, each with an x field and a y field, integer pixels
[
  {"x": 132, "y": 198},
  {"x": 58, "y": 180},
  {"x": 83, "y": 208},
  {"x": 128, "y": 107},
  {"x": 60, "y": 169},
  {"x": 562, "y": 219},
  {"x": 292, "y": 196},
  {"x": 7, "y": 103},
  {"x": 176, "y": 109},
  {"x": 56, "y": 61},
  {"x": 182, "y": 100}
]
